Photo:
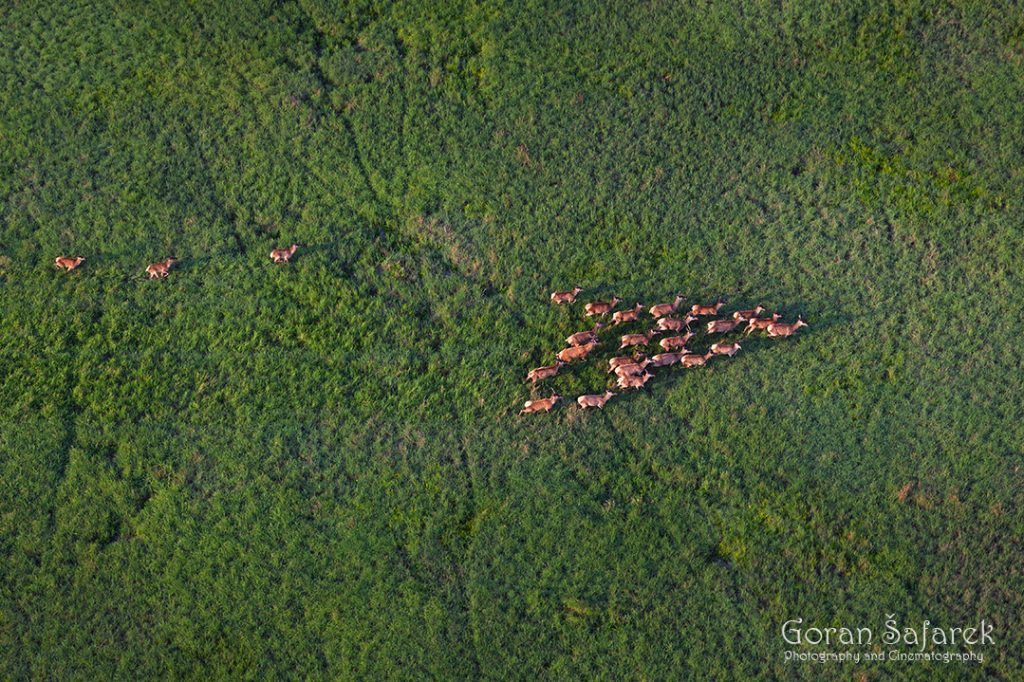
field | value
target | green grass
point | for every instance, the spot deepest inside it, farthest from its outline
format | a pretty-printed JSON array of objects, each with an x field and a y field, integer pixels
[{"x": 316, "y": 470}]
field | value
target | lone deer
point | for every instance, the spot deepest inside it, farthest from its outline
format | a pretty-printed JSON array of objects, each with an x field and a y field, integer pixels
[
  {"x": 675, "y": 342},
  {"x": 704, "y": 310},
  {"x": 160, "y": 269},
  {"x": 629, "y": 340},
  {"x": 632, "y": 369},
  {"x": 542, "y": 373},
  {"x": 566, "y": 296},
  {"x": 283, "y": 255},
  {"x": 663, "y": 309},
  {"x": 68, "y": 264},
  {"x": 694, "y": 360},
  {"x": 624, "y": 360},
  {"x": 627, "y": 315},
  {"x": 544, "y": 404},
  {"x": 597, "y": 401},
  {"x": 729, "y": 349},
  {"x": 601, "y": 307},
  {"x": 666, "y": 359},
  {"x": 761, "y": 322},
  {"x": 671, "y": 324},
  {"x": 744, "y": 315},
  {"x": 581, "y": 338},
  {"x": 576, "y": 352},
  {"x": 721, "y": 326},
  {"x": 781, "y": 329},
  {"x": 637, "y": 381}
]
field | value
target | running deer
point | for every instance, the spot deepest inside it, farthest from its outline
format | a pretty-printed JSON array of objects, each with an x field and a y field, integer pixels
[
  {"x": 704, "y": 310},
  {"x": 671, "y": 324},
  {"x": 68, "y": 264},
  {"x": 283, "y": 255},
  {"x": 761, "y": 323},
  {"x": 729, "y": 349},
  {"x": 675, "y": 342},
  {"x": 637, "y": 381},
  {"x": 694, "y": 360},
  {"x": 627, "y": 315},
  {"x": 581, "y": 338},
  {"x": 566, "y": 296},
  {"x": 722, "y": 326},
  {"x": 663, "y": 309},
  {"x": 542, "y": 405},
  {"x": 744, "y": 315},
  {"x": 624, "y": 360},
  {"x": 601, "y": 307},
  {"x": 541, "y": 373},
  {"x": 576, "y": 352},
  {"x": 160, "y": 269},
  {"x": 632, "y": 369},
  {"x": 781, "y": 329},
  {"x": 666, "y": 359},
  {"x": 598, "y": 401},
  {"x": 629, "y": 340}
]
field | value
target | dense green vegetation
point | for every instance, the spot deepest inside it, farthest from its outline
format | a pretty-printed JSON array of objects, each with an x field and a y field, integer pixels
[{"x": 316, "y": 469}]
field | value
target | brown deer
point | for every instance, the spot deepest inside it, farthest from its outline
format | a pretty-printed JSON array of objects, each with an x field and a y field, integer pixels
[
  {"x": 160, "y": 269},
  {"x": 729, "y": 349},
  {"x": 566, "y": 296},
  {"x": 629, "y": 340},
  {"x": 601, "y": 307},
  {"x": 722, "y": 326},
  {"x": 781, "y": 329},
  {"x": 671, "y": 324},
  {"x": 637, "y": 381},
  {"x": 675, "y": 342},
  {"x": 542, "y": 405},
  {"x": 663, "y": 309},
  {"x": 541, "y": 373},
  {"x": 694, "y": 360},
  {"x": 705, "y": 310},
  {"x": 761, "y": 323},
  {"x": 666, "y": 359},
  {"x": 627, "y": 315},
  {"x": 624, "y": 360},
  {"x": 283, "y": 255},
  {"x": 68, "y": 264},
  {"x": 632, "y": 369},
  {"x": 598, "y": 401},
  {"x": 576, "y": 352},
  {"x": 744, "y": 315},
  {"x": 581, "y": 338}
]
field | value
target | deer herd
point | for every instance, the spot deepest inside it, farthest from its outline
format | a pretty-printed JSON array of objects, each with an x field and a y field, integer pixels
[
  {"x": 162, "y": 269},
  {"x": 632, "y": 371}
]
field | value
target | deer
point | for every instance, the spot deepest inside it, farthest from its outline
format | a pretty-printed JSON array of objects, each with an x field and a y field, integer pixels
[
  {"x": 781, "y": 329},
  {"x": 675, "y": 342},
  {"x": 761, "y": 323},
  {"x": 560, "y": 297},
  {"x": 581, "y": 338},
  {"x": 627, "y": 315},
  {"x": 663, "y": 309},
  {"x": 705, "y": 310},
  {"x": 624, "y": 360},
  {"x": 571, "y": 353},
  {"x": 629, "y": 340},
  {"x": 541, "y": 373},
  {"x": 722, "y": 326},
  {"x": 671, "y": 324},
  {"x": 601, "y": 307},
  {"x": 694, "y": 360},
  {"x": 729, "y": 349},
  {"x": 160, "y": 269},
  {"x": 598, "y": 401},
  {"x": 666, "y": 359},
  {"x": 68, "y": 264},
  {"x": 542, "y": 405},
  {"x": 744, "y": 315},
  {"x": 283, "y": 255},
  {"x": 632, "y": 369},
  {"x": 637, "y": 381}
]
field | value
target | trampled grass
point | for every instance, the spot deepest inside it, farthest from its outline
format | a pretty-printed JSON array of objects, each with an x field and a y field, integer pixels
[{"x": 250, "y": 470}]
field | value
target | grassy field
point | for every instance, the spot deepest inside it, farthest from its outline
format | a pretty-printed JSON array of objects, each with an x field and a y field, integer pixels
[{"x": 316, "y": 470}]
